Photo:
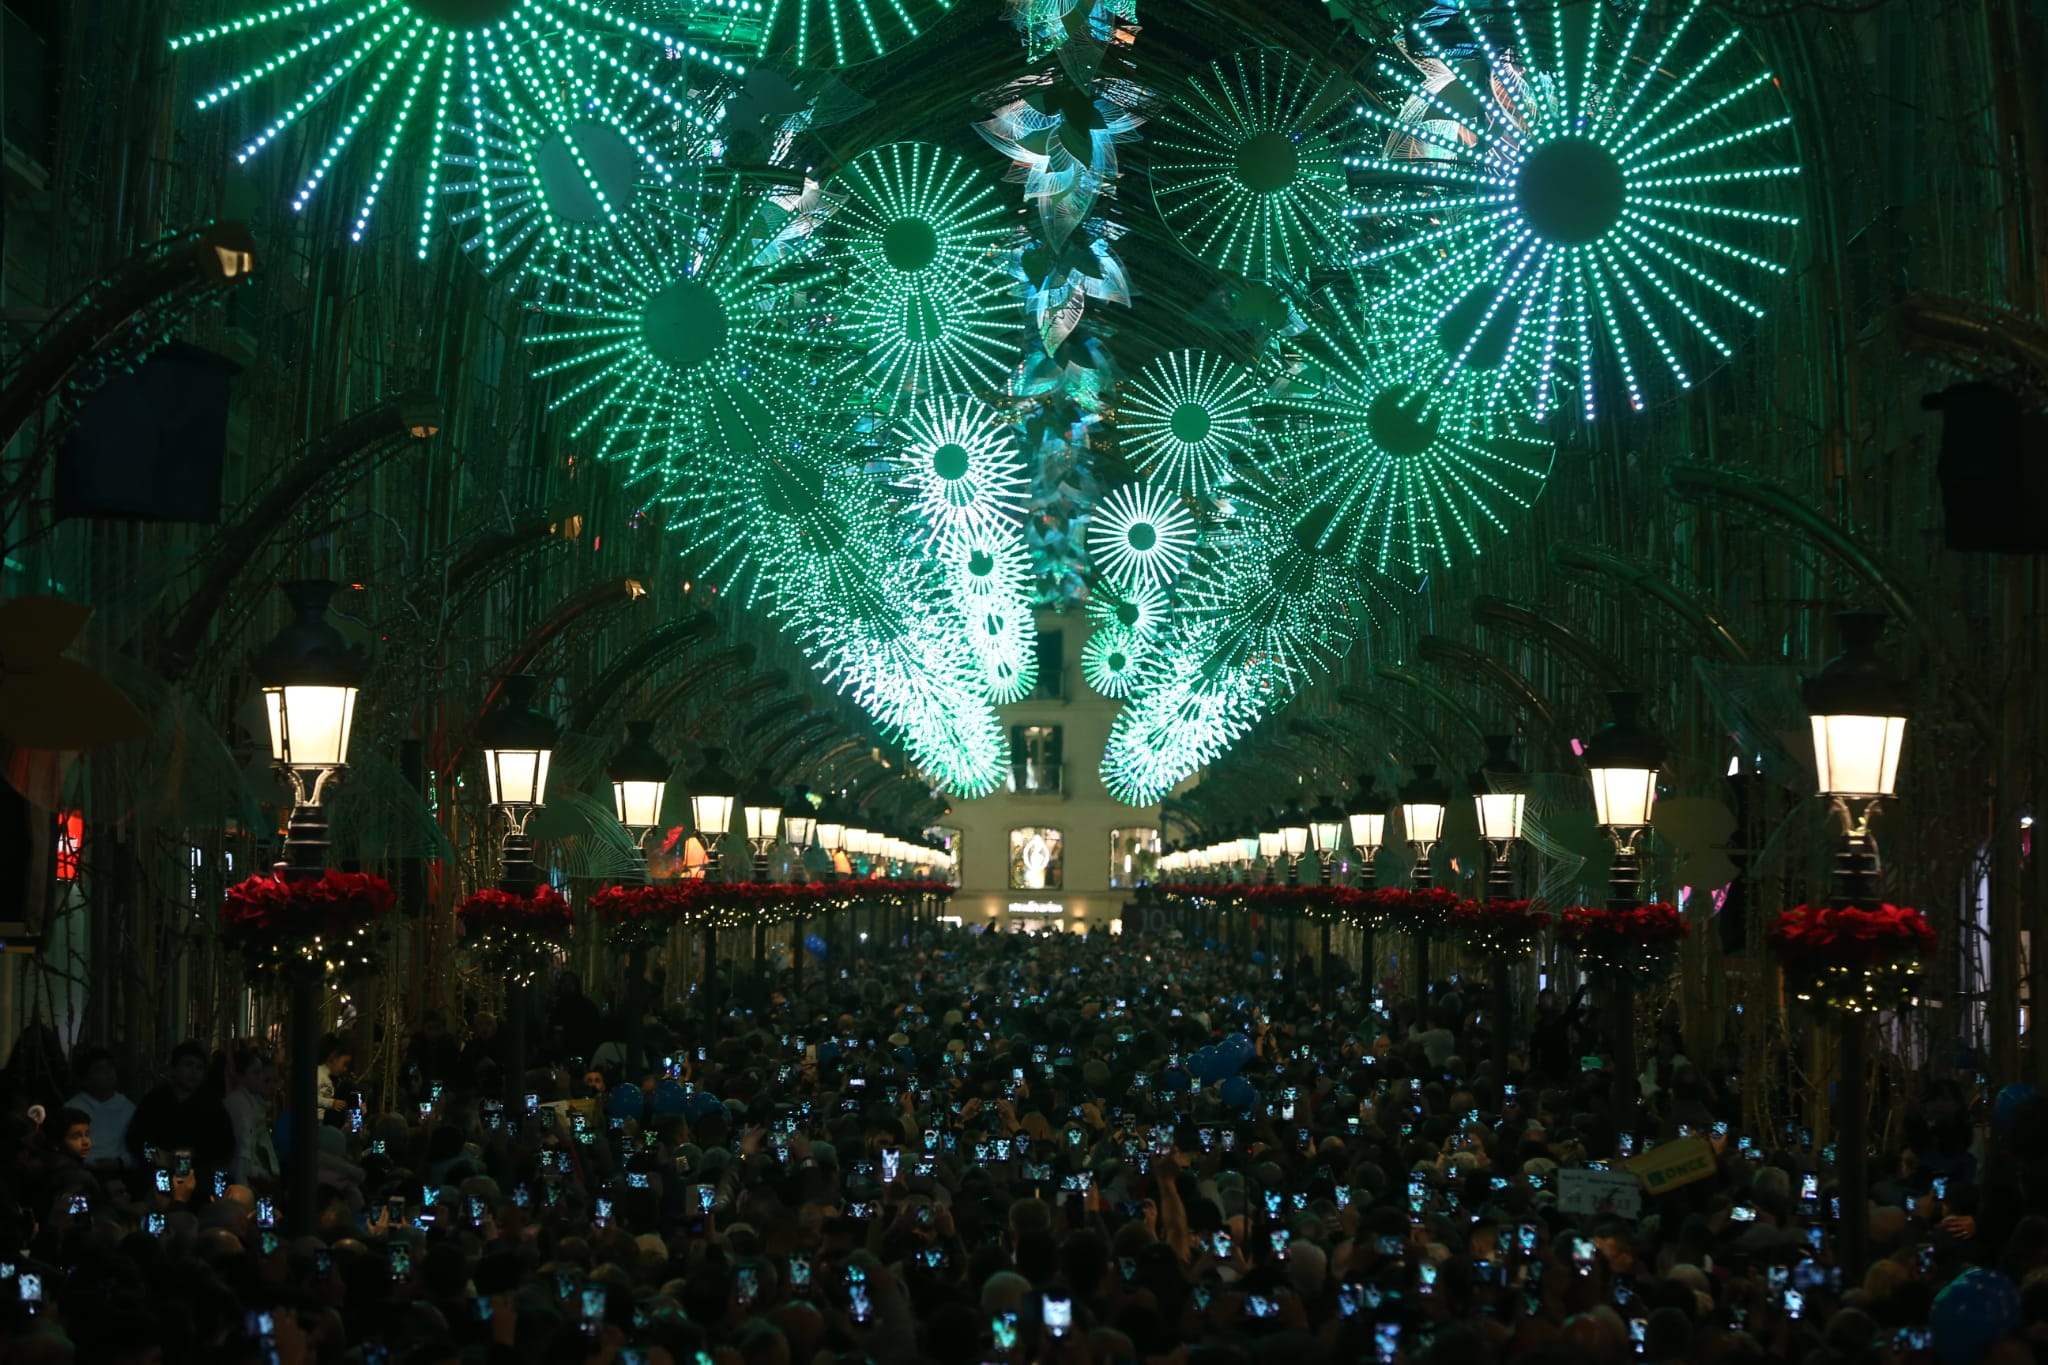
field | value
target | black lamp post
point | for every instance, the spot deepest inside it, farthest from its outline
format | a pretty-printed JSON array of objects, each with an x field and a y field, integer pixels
[
  {"x": 1859, "y": 708},
  {"x": 1499, "y": 802},
  {"x": 639, "y": 774},
  {"x": 518, "y": 744},
  {"x": 799, "y": 826},
  {"x": 1326, "y": 830},
  {"x": 1622, "y": 761},
  {"x": 1368, "y": 820},
  {"x": 310, "y": 677},
  {"x": 1423, "y": 803},
  {"x": 712, "y": 793}
]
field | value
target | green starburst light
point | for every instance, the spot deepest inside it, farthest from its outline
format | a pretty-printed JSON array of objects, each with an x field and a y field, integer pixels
[
  {"x": 1109, "y": 660},
  {"x": 1141, "y": 609},
  {"x": 1186, "y": 418},
  {"x": 1401, "y": 478},
  {"x": 1609, "y": 209},
  {"x": 807, "y": 33},
  {"x": 958, "y": 463},
  {"x": 1248, "y": 168},
  {"x": 1005, "y": 642},
  {"x": 1185, "y": 711},
  {"x": 986, "y": 563},
  {"x": 406, "y": 69},
  {"x": 692, "y": 337},
  {"x": 920, "y": 237},
  {"x": 1140, "y": 535}
]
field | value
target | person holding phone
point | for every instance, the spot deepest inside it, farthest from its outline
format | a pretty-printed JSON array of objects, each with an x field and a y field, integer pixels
[{"x": 184, "y": 1112}]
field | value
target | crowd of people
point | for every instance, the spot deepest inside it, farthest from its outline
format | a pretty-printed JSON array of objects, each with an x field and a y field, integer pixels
[{"x": 1002, "y": 1150}]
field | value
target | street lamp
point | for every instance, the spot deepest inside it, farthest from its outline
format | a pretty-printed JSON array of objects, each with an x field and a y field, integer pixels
[
  {"x": 1859, "y": 708},
  {"x": 712, "y": 792},
  {"x": 1368, "y": 821},
  {"x": 832, "y": 818},
  {"x": 1294, "y": 837},
  {"x": 1326, "y": 830},
  {"x": 799, "y": 823},
  {"x": 518, "y": 743},
  {"x": 639, "y": 775},
  {"x": 1249, "y": 845},
  {"x": 310, "y": 676},
  {"x": 1622, "y": 760},
  {"x": 761, "y": 807},
  {"x": 1423, "y": 802},
  {"x": 1270, "y": 848},
  {"x": 1500, "y": 811}
]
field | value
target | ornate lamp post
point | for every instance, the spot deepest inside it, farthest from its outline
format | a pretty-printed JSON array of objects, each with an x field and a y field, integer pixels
[
  {"x": 800, "y": 825},
  {"x": 832, "y": 824},
  {"x": 761, "y": 807},
  {"x": 1500, "y": 808},
  {"x": 1368, "y": 820},
  {"x": 310, "y": 677},
  {"x": 712, "y": 792},
  {"x": 1326, "y": 832},
  {"x": 1622, "y": 761},
  {"x": 1859, "y": 708},
  {"x": 639, "y": 774},
  {"x": 518, "y": 744},
  {"x": 1423, "y": 804},
  {"x": 1294, "y": 838}
]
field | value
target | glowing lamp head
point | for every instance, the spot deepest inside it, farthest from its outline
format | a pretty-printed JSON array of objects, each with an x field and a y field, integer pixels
[
  {"x": 1495, "y": 792},
  {"x": 832, "y": 820},
  {"x": 712, "y": 793},
  {"x": 1270, "y": 844},
  {"x": 310, "y": 676},
  {"x": 1622, "y": 760},
  {"x": 639, "y": 774},
  {"x": 1423, "y": 803},
  {"x": 799, "y": 818},
  {"x": 1367, "y": 818},
  {"x": 1249, "y": 844},
  {"x": 1326, "y": 827},
  {"x": 518, "y": 743},
  {"x": 1858, "y": 707},
  {"x": 1294, "y": 828},
  {"x": 762, "y": 808}
]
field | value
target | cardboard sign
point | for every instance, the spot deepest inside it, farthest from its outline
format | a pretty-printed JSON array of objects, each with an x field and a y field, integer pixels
[
  {"x": 1616, "y": 1192},
  {"x": 1669, "y": 1165}
]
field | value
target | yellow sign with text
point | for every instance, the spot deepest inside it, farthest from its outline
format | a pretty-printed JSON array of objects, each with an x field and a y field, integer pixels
[{"x": 1669, "y": 1165}]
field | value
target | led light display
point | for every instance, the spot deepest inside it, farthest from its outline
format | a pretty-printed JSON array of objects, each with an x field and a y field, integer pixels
[
  {"x": 920, "y": 238},
  {"x": 1247, "y": 167},
  {"x": 1140, "y": 535},
  {"x": 958, "y": 464},
  {"x": 1185, "y": 418},
  {"x": 1110, "y": 659},
  {"x": 1141, "y": 609},
  {"x": 409, "y": 70},
  {"x": 1594, "y": 202}
]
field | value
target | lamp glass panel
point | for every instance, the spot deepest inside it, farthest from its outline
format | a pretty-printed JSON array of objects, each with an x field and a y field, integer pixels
[
  {"x": 518, "y": 777},
  {"x": 1294, "y": 838},
  {"x": 832, "y": 836},
  {"x": 1622, "y": 797},
  {"x": 763, "y": 822},
  {"x": 1327, "y": 835},
  {"x": 309, "y": 725},
  {"x": 1424, "y": 822},
  {"x": 801, "y": 828},
  {"x": 1248, "y": 847},
  {"x": 637, "y": 803},
  {"x": 1500, "y": 814},
  {"x": 1368, "y": 830},
  {"x": 1858, "y": 755},
  {"x": 712, "y": 814},
  {"x": 1269, "y": 844}
]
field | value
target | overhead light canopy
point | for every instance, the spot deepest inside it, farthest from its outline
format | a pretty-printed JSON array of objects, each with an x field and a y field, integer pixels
[
  {"x": 1368, "y": 817},
  {"x": 1859, "y": 708},
  {"x": 1423, "y": 802},
  {"x": 712, "y": 792},
  {"x": 799, "y": 818},
  {"x": 518, "y": 743},
  {"x": 762, "y": 807},
  {"x": 1622, "y": 760},
  {"x": 639, "y": 775},
  {"x": 310, "y": 676},
  {"x": 1497, "y": 794},
  {"x": 1326, "y": 827}
]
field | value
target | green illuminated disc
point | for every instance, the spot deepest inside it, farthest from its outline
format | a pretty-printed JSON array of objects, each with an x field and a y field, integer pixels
[
  {"x": 1580, "y": 205},
  {"x": 1185, "y": 418}
]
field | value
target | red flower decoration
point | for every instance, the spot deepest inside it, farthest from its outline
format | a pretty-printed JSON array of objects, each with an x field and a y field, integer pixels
[
  {"x": 1498, "y": 926},
  {"x": 275, "y": 921},
  {"x": 1626, "y": 942},
  {"x": 543, "y": 915},
  {"x": 1809, "y": 936}
]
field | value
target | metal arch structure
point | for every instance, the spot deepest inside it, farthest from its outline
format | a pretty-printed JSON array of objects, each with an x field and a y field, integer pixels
[
  {"x": 1448, "y": 653},
  {"x": 1708, "y": 484},
  {"x": 1697, "y": 616},
  {"x": 1366, "y": 700},
  {"x": 817, "y": 723},
  {"x": 650, "y": 651},
  {"x": 1436, "y": 692},
  {"x": 360, "y": 437},
  {"x": 1517, "y": 618},
  {"x": 668, "y": 701}
]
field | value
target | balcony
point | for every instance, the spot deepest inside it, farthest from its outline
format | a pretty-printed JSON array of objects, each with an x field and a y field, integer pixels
[{"x": 1031, "y": 778}]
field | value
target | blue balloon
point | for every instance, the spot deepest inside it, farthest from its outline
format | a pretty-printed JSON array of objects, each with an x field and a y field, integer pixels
[
  {"x": 1974, "y": 1310},
  {"x": 1208, "y": 1065},
  {"x": 702, "y": 1104},
  {"x": 670, "y": 1098},
  {"x": 626, "y": 1102},
  {"x": 2009, "y": 1101},
  {"x": 1240, "y": 1046},
  {"x": 1237, "y": 1092},
  {"x": 1258, "y": 958},
  {"x": 828, "y": 1051},
  {"x": 1175, "y": 1080},
  {"x": 814, "y": 944}
]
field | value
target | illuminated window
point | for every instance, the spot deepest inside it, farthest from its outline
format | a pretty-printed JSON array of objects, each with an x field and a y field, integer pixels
[
  {"x": 1035, "y": 859},
  {"x": 1035, "y": 759},
  {"x": 1133, "y": 856}
]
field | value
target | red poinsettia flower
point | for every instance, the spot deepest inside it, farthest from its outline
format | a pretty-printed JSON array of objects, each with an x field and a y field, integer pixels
[
  {"x": 329, "y": 907},
  {"x": 1808, "y": 936},
  {"x": 543, "y": 915}
]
